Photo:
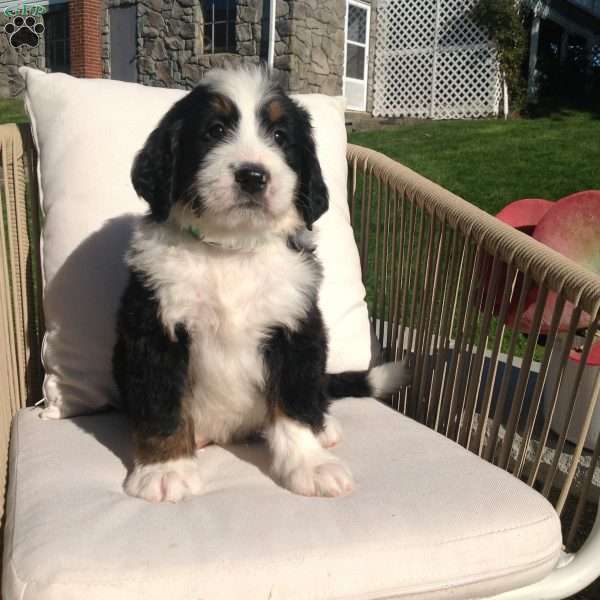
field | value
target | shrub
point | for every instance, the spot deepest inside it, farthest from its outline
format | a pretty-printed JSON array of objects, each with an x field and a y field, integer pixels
[{"x": 503, "y": 21}]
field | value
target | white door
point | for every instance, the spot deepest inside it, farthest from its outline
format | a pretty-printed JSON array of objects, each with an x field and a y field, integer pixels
[{"x": 356, "y": 59}]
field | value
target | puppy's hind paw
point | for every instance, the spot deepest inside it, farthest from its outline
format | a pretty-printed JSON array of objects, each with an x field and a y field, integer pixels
[{"x": 171, "y": 481}]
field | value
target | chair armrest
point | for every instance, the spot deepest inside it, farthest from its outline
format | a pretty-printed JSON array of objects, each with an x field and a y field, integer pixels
[
  {"x": 20, "y": 298},
  {"x": 21, "y": 325}
]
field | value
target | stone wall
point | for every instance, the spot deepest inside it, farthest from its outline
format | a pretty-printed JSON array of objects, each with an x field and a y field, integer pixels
[
  {"x": 11, "y": 83},
  {"x": 311, "y": 33}
]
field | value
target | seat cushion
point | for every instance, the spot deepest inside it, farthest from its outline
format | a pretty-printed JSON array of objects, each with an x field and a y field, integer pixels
[{"x": 427, "y": 520}]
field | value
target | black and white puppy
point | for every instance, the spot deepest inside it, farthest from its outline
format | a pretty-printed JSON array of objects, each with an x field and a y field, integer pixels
[{"x": 219, "y": 332}]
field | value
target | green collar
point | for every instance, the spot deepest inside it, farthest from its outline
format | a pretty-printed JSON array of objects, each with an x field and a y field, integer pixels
[{"x": 197, "y": 234}]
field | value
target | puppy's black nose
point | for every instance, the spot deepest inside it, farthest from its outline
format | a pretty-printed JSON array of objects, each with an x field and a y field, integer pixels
[{"x": 251, "y": 178}]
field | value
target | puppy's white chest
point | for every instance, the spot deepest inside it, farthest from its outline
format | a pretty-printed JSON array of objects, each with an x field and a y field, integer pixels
[
  {"x": 244, "y": 295},
  {"x": 240, "y": 301},
  {"x": 229, "y": 302}
]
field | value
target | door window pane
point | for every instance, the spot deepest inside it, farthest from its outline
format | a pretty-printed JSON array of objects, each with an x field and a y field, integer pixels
[
  {"x": 357, "y": 24},
  {"x": 355, "y": 62}
]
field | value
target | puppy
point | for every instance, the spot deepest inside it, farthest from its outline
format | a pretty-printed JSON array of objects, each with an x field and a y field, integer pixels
[{"x": 219, "y": 331}]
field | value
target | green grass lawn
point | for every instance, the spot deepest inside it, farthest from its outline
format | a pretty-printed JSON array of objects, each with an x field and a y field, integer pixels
[
  {"x": 12, "y": 111},
  {"x": 492, "y": 162}
]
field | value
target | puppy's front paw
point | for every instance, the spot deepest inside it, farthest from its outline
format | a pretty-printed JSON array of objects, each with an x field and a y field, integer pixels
[
  {"x": 327, "y": 476},
  {"x": 171, "y": 481},
  {"x": 331, "y": 434}
]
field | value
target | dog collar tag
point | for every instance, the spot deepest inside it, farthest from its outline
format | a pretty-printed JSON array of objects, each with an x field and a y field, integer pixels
[{"x": 194, "y": 232}]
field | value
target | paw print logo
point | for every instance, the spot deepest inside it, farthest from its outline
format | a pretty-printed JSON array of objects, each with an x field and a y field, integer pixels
[{"x": 24, "y": 32}]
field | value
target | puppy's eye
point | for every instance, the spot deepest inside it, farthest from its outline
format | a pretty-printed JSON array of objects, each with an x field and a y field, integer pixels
[
  {"x": 280, "y": 137},
  {"x": 216, "y": 131}
]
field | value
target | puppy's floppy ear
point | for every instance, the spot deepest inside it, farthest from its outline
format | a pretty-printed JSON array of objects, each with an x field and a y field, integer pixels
[
  {"x": 313, "y": 198},
  {"x": 153, "y": 171}
]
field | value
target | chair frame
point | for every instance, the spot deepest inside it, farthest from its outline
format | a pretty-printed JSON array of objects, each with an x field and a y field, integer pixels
[{"x": 442, "y": 276}]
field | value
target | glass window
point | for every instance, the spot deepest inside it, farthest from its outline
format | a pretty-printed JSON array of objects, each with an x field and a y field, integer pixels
[
  {"x": 56, "y": 38},
  {"x": 219, "y": 26}
]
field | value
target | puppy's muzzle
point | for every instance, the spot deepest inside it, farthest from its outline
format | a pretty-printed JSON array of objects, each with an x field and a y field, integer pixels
[{"x": 251, "y": 178}]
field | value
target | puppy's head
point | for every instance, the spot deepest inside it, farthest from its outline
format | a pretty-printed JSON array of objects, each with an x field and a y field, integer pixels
[{"x": 236, "y": 155}]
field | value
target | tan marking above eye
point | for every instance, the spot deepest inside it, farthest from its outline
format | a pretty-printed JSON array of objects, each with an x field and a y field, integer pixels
[
  {"x": 222, "y": 104},
  {"x": 274, "y": 111}
]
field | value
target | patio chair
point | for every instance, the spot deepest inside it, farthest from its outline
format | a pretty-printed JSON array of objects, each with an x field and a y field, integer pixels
[{"x": 430, "y": 519}]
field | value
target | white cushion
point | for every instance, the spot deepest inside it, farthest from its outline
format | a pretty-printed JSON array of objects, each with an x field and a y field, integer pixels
[
  {"x": 87, "y": 133},
  {"x": 427, "y": 519}
]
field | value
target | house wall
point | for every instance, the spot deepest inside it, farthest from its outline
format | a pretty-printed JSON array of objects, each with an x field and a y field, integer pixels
[{"x": 309, "y": 48}]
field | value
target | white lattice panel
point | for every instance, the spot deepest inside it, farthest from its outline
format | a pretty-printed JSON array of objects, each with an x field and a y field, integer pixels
[{"x": 432, "y": 61}]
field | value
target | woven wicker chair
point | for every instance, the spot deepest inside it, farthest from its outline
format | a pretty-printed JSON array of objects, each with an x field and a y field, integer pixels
[{"x": 424, "y": 254}]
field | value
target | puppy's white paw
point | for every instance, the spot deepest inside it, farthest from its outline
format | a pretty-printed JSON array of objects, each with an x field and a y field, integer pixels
[
  {"x": 331, "y": 434},
  {"x": 201, "y": 442},
  {"x": 171, "y": 481},
  {"x": 326, "y": 476}
]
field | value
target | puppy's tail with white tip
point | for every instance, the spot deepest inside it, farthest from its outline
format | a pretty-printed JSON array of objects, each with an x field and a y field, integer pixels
[{"x": 378, "y": 382}]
